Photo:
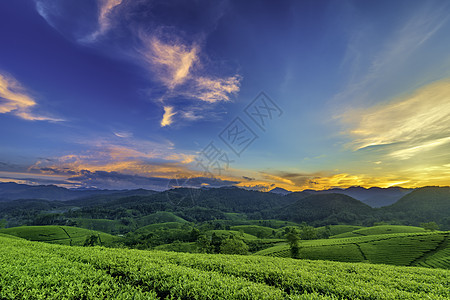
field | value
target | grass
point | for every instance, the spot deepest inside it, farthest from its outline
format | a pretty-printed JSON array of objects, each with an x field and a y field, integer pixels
[
  {"x": 104, "y": 225},
  {"x": 381, "y": 229},
  {"x": 159, "y": 217},
  {"x": 256, "y": 230},
  {"x": 64, "y": 235},
  {"x": 339, "y": 229},
  {"x": 423, "y": 249},
  {"x": 164, "y": 226},
  {"x": 32, "y": 270},
  {"x": 226, "y": 233}
]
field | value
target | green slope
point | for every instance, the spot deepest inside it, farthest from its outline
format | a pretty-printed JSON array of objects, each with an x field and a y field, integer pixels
[
  {"x": 31, "y": 270},
  {"x": 381, "y": 229},
  {"x": 255, "y": 230},
  {"x": 64, "y": 235},
  {"x": 396, "y": 249}
]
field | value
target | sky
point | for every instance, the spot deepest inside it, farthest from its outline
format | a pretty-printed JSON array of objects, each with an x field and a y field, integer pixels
[{"x": 124, "y": 94}]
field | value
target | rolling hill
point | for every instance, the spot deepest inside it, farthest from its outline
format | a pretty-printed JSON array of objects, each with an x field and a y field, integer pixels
[
  {"x": 64, "y": 235},
  {"x": 407, "y": 249},
  {"x": 329, "y": 208}
]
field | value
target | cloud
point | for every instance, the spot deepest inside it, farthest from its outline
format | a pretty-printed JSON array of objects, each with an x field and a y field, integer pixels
[
  {"x": 115, "y": 180},
  {"x": 123, "y": 134},
  {"x": 412, "y": 124},
  {"x": 178, "y": 65},
  {"x": 179, "y": 68},
  {"x": 104, "y": 22},
  {"x": 183, "y": 76},
  {"x": 167, "y": 117},
  {"x": 15, "y": 100},
  {"x": 412, "y": 151},
  {"x": 374, "y": 70},
  {"x": 172, "y": 62},
  {"x": 216, "y": 89}
]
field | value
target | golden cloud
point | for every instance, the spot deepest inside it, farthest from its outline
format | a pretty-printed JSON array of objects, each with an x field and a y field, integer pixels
[
  {"x": 167, "y": 117},
  {"x": 213, "y": 90},
  {"x": 15, "y": 100},
  {"x": 171, "y": 62},
  {"x": 416, "y": 123}
]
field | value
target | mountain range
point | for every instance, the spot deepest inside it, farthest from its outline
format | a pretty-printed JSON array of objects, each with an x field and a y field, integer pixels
[
  {"x": 34, "y": 204},
  {"x": 374, "y": 196}
]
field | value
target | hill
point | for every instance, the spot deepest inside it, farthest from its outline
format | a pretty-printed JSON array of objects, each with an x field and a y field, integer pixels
[
  {"x": 63, "y": 235},
  {"x": 374, "y": 196},
  {"x": 424, "y": 205},
  {"x": 407, "y": 249},
  {"x": 15, "y": 191},
  {"x": 39, "y": 270},
  {"x": 381, "y": 229},
  {"x": 326, "y": 208},
  {"x": 280, "y": 191}
]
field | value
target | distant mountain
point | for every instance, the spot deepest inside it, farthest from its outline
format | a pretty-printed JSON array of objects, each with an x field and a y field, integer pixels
[
  {"x": 280, "y": 191},
  {"x": 333, "y": 208},
  {"x": 374, "y": 196},
  {"x": 14, "y": 191}
]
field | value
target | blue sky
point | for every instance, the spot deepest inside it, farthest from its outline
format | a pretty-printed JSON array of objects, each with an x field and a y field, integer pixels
[{"x": 127, "y": 94}]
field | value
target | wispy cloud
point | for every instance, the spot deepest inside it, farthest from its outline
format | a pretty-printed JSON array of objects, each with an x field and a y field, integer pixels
[
  {"x": 418, "y": 122},
  {"x": 414, "y": 150},
  {"x": 105, "y": 8},
  {"x": 167, "y": 117},
  {"x": 123, "y": 134},
  {"x": 171, "y": 62},
  {"x": 15, "y": 100},
  {"x": 178, "y": 66},
  {"x": 370, "y": 69},
  {"x": 216, "y": 89}
]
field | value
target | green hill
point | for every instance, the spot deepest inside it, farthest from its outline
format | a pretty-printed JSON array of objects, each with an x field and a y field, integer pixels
[
  {"x": 423, "y": 205},
  {"x": 397, "y": 249},
  {"x": 255, "y": 230},
  {"x": 32, "y": 270},
  {"x": 328, "y": 208},
  {"x": 381, "y": 229},
  {"x": 104, "y": 225},
  {"x": 339, "y": 229},
  {"x": 64, "y": 235},
  {"x": 159, "y": 217}
]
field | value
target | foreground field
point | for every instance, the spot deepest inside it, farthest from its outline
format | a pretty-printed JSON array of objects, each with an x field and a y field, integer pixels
[{"x": 33, "y": 270}]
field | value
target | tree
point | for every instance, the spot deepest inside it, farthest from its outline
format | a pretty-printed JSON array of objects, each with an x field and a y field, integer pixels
[
  {"x": 194, "y": 234},
  {"x": 3, "y": 223},
  {"x": 325, "y": 233},
  {"x": 233, "y": 245},
  {"x": 216, "y": 242},
  {"x": 432, "y": 226},
  {"x": 91, "y": 240},
  {"x": 307, "y": 232},
  {"x": 293, "y": 238},
  {"x": 203, "y": 244}
]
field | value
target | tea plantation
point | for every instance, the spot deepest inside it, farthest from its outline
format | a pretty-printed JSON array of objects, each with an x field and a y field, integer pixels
[{"x": 34, "y": 270}]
